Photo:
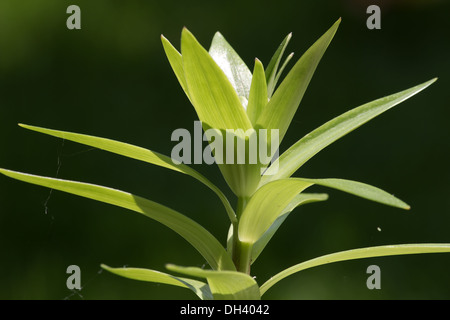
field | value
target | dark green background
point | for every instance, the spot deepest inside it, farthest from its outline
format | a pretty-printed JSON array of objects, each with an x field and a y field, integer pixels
[{"x": 112, "y": 79}]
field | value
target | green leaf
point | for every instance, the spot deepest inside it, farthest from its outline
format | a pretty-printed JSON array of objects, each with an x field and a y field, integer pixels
[
  {"x": 361, "y": 190},
  {"x": 201, "y": 289},
  {"x": 205, "y": 243},
  {"x": 269, "y": 201},
  {"x": 224, "y": 285},
  {"x": 282, "y": 106},
  {"x": 218, "y": 107},
  {"x": 258, "y": 93},
  {"x": 231, "y": 64},
  {"x": 289, "y": 57},
  {"x": 214, "y": 98},
  {"x": 265, "y": 206},
  {"x": 299, "y": 153},
  {"x": 300, "y": 199},
  {"x": 371, "y": 252},
  {"x": 176, "y": 62},
  {"x": 136, "y": 153},
  {"x": 272, "y": 67}
]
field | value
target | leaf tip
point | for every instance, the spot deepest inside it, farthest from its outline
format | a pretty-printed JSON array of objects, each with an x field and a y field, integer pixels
[
  {"x": 217, "y": 35},
  {"x": 170, "y": 266}
]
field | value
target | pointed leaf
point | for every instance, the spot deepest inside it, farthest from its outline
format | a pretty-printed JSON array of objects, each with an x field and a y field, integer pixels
[
  {"x": 201, "y": 289},
  {"x": 258, "y": 93},
  {"x": 361, "y": 190},
  {"x": 292, "y": 159},
  {"x": 176, "y": 62},
  {"x": 224, "y": 285},
  {"x": 300, "y": 199},
  {"x": 280, "y": 72},
  {"x": 371, "y": 252},
  {"x": 205, "y": 243},
  {"x": 137, "y": 153},
  {"x": 272, "y": 67},
  {"x": 269, "y": 201},
  {"x": 231, "y": 64},
  {"x": 282, "y": 106},
  {"x": 214, "y": 98}
]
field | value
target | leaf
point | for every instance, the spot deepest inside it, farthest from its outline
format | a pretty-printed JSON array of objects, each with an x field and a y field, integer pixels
[
  {"x": 265, "y": 206},
  {"x": 282, "y": 106},
  {"x": 201, "y": 289},
  {"x": 214, "y": 98},
  {"x": 280, "y": 72},
  {"x": 269, "y": 201},
  {"x": 218, "y": 107},
  {"x": 300, "y": 199},
  {"x": 176, "y": 62},
  {"x": 205, "y": 243},
  {"x": 299, "y": 153},
  {"x": 224, "y": 285},
  {"x": 362, "y": 253},
  {"x": 258, "y": 93},
  {"x": 231, "y": 64},
  {"x": 136, "y": 153},
  {"x": 272, "y": 67},
  {"x": 361, "y": 190}
]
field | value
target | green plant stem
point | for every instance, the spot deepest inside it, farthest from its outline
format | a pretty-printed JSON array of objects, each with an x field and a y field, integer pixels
[{"x": 242, "y": 251}]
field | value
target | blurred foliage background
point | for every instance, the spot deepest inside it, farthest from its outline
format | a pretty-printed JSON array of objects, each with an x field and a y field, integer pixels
[{"x": 112, "y": 79}]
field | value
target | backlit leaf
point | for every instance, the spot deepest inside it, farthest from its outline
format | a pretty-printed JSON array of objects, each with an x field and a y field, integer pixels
[
  {"x": 137, "y": 153},
  {"x": 205, "y": 243},
  {"x": 231, "y": 64},
  {"x": 371, "y": 252},
  {"x": 303, "y": 150},
  {"x": 201, "y": 289},
  {"x": 284, "y": 103},
  {"x": 224, "y": 285}
]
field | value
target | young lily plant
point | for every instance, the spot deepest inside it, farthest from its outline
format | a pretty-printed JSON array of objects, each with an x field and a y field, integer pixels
[{"x": 229, "y": 98}]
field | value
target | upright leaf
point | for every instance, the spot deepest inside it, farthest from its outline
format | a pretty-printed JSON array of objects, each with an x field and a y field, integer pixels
[
  {"x": 176, "y": 62},
  {"x": 258, "y": 93},
  {"x": 272, "y": 67},
  {"x": 205, "y": 243},
  {"x": 201, "y": 289},
  {"x": 282, "y": 106},
  {"x": 303, "y": 150},
  {"x": 231, "y": 64},
  {"x": 371, "y": 252},
  {"x": 286, "y": 62},
  {"x": 214, "y": 98},
  {"x": 218, "y": 107},
  {"x": 224, "y": 285}
]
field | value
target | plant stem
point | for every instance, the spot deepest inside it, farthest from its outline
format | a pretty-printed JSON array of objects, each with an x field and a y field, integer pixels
[{"x": 242, "y": 251}]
